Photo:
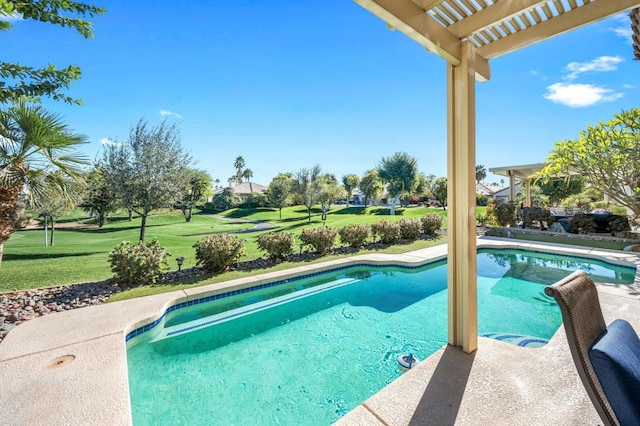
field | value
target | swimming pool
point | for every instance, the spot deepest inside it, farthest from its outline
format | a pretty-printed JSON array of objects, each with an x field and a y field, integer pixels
[{"x": 310, "y": 349}]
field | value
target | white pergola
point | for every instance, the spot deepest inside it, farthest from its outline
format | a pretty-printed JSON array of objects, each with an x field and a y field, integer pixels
[
  {"x": 468, "y": 34},
  {"x": 524, "y": 172}
]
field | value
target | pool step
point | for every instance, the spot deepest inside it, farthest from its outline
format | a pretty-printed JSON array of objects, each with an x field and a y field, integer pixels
[
  {"x": 186, "y": 327},
  {"x": 518, "y": 339}
]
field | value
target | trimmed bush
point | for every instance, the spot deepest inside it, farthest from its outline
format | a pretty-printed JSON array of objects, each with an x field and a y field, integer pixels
[
  {"x": 278, "y": 245},
  {"x": 503, "y": 214},
  {"x": 386, "y": 231},
  {"x": 354, "y": 235},
  {"x": 139, "y": 263},
  {"x": 431, "y": 223},
  {"x": 410, "y": 228},
  {"x": 320, "y": 239},
  {"x": 620, "y": 224},
  {"x": 218, "y": 252},
  {"x": 583, "y": 224}
]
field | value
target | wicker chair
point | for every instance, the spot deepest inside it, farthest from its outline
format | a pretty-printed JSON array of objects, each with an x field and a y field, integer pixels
[{"x": 584, "y": 324}]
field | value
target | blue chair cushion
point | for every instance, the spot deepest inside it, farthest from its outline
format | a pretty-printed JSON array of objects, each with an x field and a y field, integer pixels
[{"x": 616, "y": 361}]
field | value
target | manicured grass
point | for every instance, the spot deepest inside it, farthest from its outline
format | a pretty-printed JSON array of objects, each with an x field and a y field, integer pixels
[
  {"x": 559, "y": 239},
  {"x": 80, "y": 255}
]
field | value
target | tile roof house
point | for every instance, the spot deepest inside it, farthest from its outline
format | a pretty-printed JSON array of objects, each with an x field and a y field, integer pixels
[{"x": 244, "y": 189}]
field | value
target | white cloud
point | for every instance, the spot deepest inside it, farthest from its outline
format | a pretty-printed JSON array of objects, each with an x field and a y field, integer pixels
[
  {"x": 165, "y": 113},
  {"x": 622, "y": 27},
  {"x": 600, "y": 64},
  {"x": 580, "y": 95},
  {"x": 109, "y": 142}
]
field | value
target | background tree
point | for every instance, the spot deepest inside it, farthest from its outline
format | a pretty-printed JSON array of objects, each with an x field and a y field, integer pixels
[
  {"x": 239, "y": 166},
  {"x": 247, "y": 174},
  {"x": 150, "y": 170},
  {"x": 279, "y": 191},
  {"x": 371, "y": 186},
  {"x": 197, "y": 191},
  {"x": 306, "y": 184},
  {"x": 21, "y": 80},
  {"x": 350, "y": 183},
  {"x": 56, "y": 204},
  {"x": 560, "y": 188},
  {"x": 424, "y": 185},
  {"x": 99, "y": 199},
  {"x": 607, "y": 156},
  {"x": 400, "y": 173},
  {"x": 439, "y": 190},
  {"x": 481, "y": 173},
  {"x": 37, "y": 154},
  {"x": 329, "y": 190}
]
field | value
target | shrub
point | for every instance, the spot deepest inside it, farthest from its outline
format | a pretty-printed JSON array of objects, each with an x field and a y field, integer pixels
[
  {"x": 496, "y": 232},
  {"x": 255, "y": 199},
  {"x": 225, "y": 200},
  {"x": 278, "y": 245},
  {"x": 619, "y": 210},
  {"x": 620, "y": 224},
  {"x": 431, "y": 223},
  {"x": 504, "y": 214},
  {"x": 410, "y": 228},
  {"x": 355, "y": 234},
  {"x": 216, "y": 253},
  {"x": 481, "y": 200},
  {"x": 583, "y": 224},
  {"x": 387, "y": 231},
  {"x": 139, "y": 263},
  {"x": 321, "y": 239},
  {"x": 482, "y": 220}
]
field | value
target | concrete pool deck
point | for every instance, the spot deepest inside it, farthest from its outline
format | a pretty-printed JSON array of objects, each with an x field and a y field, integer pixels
[{"x": 70, "y": 368}]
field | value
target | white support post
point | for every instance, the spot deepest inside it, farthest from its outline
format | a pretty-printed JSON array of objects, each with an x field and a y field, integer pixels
[{"x": 462, "y": 273}]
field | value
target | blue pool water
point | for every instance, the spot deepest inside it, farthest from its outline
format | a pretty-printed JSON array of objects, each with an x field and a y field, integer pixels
[{"x": 308, "y": 350}]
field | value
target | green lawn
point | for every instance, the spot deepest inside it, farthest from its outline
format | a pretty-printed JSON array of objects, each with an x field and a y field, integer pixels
[{"x": 80, "y": 255}]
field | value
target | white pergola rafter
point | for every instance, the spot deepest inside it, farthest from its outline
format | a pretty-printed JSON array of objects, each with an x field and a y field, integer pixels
[{"x": 467, "y": 34}]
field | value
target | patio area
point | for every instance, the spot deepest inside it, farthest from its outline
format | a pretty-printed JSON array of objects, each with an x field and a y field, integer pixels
[{"x": 71, "y": 368}]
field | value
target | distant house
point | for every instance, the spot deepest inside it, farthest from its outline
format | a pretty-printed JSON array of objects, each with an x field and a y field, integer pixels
[
  {"x": 503, "y": 194},
  {"x": 487, "y": 190},
  {"x": 244, "y": 189}
]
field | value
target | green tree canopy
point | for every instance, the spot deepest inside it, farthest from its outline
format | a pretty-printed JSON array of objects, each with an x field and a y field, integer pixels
[
  {"x": 150, "y": 170},
  {"x": 307, "y": 185},
  {"x": 198, "y": 189},
  {"x": 400, "y": 173},
  {"x": 439, "y": 190},
  {"x": 350, "y": 183},
  {"x": 371, "y": 186},
  {"x": 329, "y": 190},
  {"x": 606, "y": 155},
  {"x": 560, "y": 188},
  {"x": 279, "y": 191},
  {"x": 38, "y": 158},
  {"x": 21, "y": 80},
  {"x": 99, "y": 199}
]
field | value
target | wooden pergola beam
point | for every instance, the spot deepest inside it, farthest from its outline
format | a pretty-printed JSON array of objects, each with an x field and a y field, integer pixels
[
  {"x": 411, "y": 19},
  {"x": 487, "y": 16},
  {"x": 576, "y": 18}
]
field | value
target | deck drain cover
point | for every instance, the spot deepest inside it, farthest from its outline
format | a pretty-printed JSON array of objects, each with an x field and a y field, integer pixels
[{"x": 59, "y": 362}]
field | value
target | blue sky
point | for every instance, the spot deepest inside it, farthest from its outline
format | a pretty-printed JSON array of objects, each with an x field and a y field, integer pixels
[{"x": 289, "y": 84}]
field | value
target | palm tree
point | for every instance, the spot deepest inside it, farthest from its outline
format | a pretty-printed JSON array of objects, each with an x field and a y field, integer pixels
[
  {"x": 37, "y": 157},
  {"x": 247, "y": 174},
  {"x": 239, "y": 165},
  {"x": 481, "y": 173}
]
